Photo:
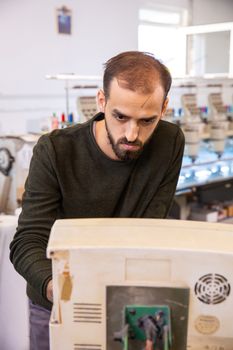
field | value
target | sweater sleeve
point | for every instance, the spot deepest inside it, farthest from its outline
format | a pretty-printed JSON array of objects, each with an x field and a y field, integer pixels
[
  {"x": 39, "y": 211},
  {"x": 162, "y": 200}
]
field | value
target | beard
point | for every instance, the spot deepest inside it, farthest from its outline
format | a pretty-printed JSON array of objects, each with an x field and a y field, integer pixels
[{"x": 122, "y": 154}]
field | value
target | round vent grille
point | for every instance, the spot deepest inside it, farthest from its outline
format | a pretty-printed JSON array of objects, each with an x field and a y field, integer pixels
[{"x": 212, "y": 288}]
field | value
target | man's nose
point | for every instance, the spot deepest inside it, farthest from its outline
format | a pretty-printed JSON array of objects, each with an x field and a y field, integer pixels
[{"x": 132, "y": 131}]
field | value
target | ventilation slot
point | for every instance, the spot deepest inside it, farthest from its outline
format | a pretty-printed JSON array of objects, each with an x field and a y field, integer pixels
[
  {"x": 212, "y": 288},
  {"x": 87, "y": 347},
  {"x": 87, "y": 313}
]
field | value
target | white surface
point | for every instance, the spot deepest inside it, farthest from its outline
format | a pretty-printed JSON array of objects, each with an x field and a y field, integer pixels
[
  {"x": 14, "y": 330},
  {"x": 127, "y": 233},
  {"x": 91, "y": 254}
]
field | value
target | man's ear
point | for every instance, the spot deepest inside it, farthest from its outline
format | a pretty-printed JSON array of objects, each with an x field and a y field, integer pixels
[
  {"x": 165, "y": 104},
  {"x": 101, "y": 100}
]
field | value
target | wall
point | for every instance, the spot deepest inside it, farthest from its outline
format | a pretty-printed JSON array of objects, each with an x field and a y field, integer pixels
[
  {"x": 30, "y": 48},
  {"x": 212, "y": 11}
]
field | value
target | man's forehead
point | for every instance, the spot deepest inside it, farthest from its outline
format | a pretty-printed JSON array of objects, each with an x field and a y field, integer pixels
[{"x": 119, "y": 84}]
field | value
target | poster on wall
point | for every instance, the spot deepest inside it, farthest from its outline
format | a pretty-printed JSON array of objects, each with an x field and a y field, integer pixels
[{"x": 63, "y": 17}]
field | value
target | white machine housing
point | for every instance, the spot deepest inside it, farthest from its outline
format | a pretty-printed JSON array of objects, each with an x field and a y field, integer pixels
[
  {"x": 192, "y": 113},
  {"x": 86, "y": 107},
  {"x": 12, "y": 185},
  {"x": 90, "y": 254}
]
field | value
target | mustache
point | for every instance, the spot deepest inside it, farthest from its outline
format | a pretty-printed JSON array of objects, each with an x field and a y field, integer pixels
[{"x": 124, "y": 141}]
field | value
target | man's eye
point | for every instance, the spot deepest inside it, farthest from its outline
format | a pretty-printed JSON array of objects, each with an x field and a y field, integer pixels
[
  {"x": 147, "y": 121},
  {"x": 119, "y": 117}
]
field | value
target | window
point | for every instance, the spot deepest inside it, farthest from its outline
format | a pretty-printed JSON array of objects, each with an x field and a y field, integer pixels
[
  {"x": 159, "y": 33},
  {"x": 204, "y": 43}
]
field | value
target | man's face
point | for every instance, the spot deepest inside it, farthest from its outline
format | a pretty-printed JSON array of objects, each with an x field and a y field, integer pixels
[{"x": 130, "y": 118}]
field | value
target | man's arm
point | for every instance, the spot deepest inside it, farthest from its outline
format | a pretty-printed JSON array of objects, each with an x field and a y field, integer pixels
[
  {"x": 40, "y": 207},
  {"x": 162, "y": 200}
]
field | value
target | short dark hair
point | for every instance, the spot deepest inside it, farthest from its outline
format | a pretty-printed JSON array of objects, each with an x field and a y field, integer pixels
[{"x": 136, "y": 71}]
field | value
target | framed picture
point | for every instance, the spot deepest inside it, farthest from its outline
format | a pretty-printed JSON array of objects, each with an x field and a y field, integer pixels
[{"x": 64, "y": 17}]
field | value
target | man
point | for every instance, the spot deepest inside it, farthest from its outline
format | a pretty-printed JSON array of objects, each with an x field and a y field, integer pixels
[{"x": 125, "y": 162}]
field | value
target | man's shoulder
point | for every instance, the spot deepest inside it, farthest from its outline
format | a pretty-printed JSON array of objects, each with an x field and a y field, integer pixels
[
  {"x": 67, "y": 134},
  {"x": 70, "y": 131},
  {"x": 78, "y": 134},
  {"x": 169, "y": 130},
  {"x": 168, "y": 127}
]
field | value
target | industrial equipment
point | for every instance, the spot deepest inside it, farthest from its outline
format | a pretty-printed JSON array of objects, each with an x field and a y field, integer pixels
[
  {"x": 15, "y": 156},
  {"x": 112, "y": 278},
  {"x": 86, "y": 107}
]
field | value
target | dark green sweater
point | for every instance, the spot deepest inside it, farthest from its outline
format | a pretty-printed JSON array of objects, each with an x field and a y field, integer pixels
[{"x": 70, "y": 177}]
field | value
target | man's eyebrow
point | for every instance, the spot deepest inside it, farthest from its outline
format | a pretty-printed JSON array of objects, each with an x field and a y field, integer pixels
[
  {"x": 149, "y": 118},
  {"x": 117, "y": 112}
]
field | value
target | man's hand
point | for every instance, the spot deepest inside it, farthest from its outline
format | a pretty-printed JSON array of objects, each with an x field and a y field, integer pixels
[
  {"x": 149, "y": 345},
  {"x": 49, "y": 292}
]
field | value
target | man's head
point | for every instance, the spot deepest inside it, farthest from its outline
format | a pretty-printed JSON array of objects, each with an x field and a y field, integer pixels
[
  {"x": 136, "y": 71},
  {"x": 134, "y": 98}
]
